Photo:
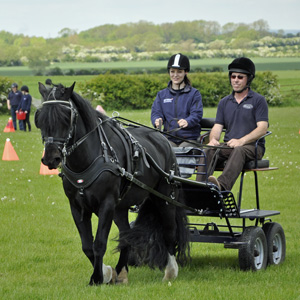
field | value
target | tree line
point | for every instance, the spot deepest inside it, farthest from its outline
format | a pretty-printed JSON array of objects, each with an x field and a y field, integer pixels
[{"x": 144, "y": 40}]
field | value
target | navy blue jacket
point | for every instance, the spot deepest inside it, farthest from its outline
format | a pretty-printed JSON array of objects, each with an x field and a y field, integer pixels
[
  {"x": 25, "y": 103},
  {"x": 172, "y": 105},
  {"x": 14, "y": 98}
]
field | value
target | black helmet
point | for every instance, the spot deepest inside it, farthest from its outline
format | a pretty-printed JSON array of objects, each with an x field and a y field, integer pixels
[
  {"x": 25, "y": 88},
  {"x": 14, "y": 85},
  {"x": 242, "y": 65},
  {"x": 48, "y": 81},
  {"x": 179, "y": 61}
]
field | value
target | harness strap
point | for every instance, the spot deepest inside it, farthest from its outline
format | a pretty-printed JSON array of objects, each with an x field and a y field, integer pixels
[
  {"x": 88, "y": 176},
  {"x": 170, "y": 200}
]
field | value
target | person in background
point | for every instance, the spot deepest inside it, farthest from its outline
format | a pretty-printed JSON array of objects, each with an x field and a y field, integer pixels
[
  {"x": 48, "y": 83},
  {"x": 244, "y": 114},
  {"x": 178, "y": 107},
  {"x": 25, "y": 105},
  {"x": 13, "y": 101}
]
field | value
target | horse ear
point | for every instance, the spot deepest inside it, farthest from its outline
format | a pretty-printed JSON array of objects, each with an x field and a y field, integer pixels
[
  {"x": 42, "y": 90},
  {"x": 69, "y": 90}
]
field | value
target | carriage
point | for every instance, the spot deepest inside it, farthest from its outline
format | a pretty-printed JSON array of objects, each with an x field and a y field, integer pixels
[
  {"x": 260, "y": 242},
  {"x": 110, "y": 165}
]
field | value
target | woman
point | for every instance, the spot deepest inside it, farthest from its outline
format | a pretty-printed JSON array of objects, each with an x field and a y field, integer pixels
[
  {"x": 25, "y": 106},
  {"x": 179, "y": 106}
]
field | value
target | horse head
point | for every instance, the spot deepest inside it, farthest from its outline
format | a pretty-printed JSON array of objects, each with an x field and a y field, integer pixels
[{"x": 56, "y": 119}]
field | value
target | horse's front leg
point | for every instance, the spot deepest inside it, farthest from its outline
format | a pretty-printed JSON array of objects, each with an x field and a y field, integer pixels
[
  {"x": 102, "y": 273},
  {"x": 84, "y": 227}
]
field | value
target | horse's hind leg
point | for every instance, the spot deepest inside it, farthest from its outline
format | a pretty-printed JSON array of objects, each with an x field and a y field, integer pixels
[
  {"x": 121, "y": 220},
  {"x": 168, "y": 221},
  {"x": 171, "y": 271}
]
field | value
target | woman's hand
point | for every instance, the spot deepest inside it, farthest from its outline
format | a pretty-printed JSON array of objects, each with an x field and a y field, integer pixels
[
  {"x": 182, "y": 123},
  {"x": 158, "y": 122}
]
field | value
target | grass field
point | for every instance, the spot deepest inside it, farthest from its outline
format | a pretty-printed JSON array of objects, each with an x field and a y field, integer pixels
[{"x": 40, "y": 252}]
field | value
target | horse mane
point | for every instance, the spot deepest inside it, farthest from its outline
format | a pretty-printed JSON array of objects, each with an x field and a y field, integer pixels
[{"x": 88, "y": 114}]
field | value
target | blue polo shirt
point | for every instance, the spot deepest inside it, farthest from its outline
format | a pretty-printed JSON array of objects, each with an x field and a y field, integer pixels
[
  {"x": 14, "y": 98},
  {"x": 240, "y": 119}
]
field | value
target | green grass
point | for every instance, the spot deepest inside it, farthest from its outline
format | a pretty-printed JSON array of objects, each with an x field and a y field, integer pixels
[{"x": 40, "y": 250}]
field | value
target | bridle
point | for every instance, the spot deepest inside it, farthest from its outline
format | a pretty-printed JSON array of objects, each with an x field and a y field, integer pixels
[{"x": 63, "y": 142}]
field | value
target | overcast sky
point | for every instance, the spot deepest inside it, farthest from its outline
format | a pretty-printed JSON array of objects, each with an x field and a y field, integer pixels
[{"x": 47, "y": 18}]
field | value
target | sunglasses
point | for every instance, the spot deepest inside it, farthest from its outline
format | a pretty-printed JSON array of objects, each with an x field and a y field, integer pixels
[{"x": 237, "y": 76}]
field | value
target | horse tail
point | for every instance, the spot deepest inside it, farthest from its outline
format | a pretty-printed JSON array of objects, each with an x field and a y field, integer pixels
[{"x": 146, "y": 239}]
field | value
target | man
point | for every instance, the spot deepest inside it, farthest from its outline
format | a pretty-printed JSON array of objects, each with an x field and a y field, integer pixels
[
  {"x": 244, "y": 114},
  {"x": 13, "y": 101}
]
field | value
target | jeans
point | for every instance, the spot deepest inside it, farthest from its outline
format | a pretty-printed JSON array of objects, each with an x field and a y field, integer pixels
[{"x": 14, "y": 117}]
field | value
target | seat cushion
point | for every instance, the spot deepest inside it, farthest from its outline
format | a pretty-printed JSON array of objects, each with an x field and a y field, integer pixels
[{"x": 261, "y": 163}]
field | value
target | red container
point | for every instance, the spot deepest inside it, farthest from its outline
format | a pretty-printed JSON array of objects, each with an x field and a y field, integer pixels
[{"x": 21, "y": 115}]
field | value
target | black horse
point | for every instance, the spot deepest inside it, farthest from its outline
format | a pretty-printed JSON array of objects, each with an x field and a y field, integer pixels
[{"x": 107, "y": 168}]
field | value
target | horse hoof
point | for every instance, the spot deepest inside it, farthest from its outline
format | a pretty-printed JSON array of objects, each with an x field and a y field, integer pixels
[{"x": 122, "y": 277}]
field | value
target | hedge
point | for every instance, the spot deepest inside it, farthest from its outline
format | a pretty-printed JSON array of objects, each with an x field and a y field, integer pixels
[
  {"x": 120, "y": 91},
  {"x": 123, "y": 91},
  {"x": 5, "y": 88}
]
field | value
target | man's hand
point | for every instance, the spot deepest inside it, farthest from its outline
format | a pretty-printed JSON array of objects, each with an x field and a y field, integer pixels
[
  {"x": 233, "y": 143},
  {"x": 214, "y": 142}
]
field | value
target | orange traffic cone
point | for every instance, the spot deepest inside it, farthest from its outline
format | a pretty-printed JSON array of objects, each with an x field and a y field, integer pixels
[
  {"x": 44, "y": 170},
  {"x": 9, "y": 152},
  {"x": 9, "y": 126}
]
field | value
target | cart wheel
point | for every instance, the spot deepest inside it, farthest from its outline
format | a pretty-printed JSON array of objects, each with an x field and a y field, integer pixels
[
  {"x": 253, "y": 253},
  {"x": 276, "y": 243}
]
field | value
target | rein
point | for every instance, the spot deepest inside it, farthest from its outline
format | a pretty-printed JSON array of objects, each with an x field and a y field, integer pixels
[{"x": 198, "y": 145}]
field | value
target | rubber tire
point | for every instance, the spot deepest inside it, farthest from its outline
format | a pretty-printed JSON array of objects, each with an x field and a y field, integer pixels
[
  {"x": 276, "y": 243},
  {"x": 254, "y": 250}
]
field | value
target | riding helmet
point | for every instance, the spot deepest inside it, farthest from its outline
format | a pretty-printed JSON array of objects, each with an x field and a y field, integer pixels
[
  {"x": 25, "y": 88},
  {"x": 48, "y": 81},
  {"x": 14, "y": 85},
  {"x": 242, "y": 65},
  {"x": 179, "y": 61}
]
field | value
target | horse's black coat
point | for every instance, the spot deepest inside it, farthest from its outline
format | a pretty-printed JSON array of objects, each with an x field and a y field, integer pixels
[{"x": 160, "y": 228}]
